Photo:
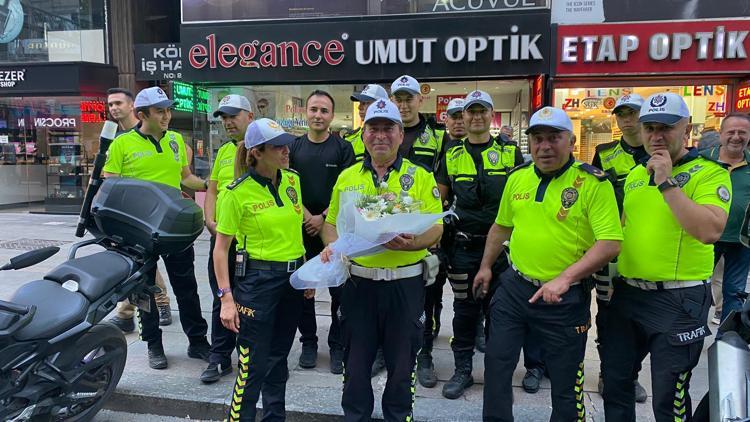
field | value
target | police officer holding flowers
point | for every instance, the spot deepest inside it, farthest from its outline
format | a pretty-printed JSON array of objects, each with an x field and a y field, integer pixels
[
  {"x": 383, "y": 301},
  {"x": 561, "y": 221},
  {"x": 262, "y": 210}
]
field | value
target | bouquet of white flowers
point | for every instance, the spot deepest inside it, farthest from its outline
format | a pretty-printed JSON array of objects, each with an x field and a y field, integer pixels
[{"x": 364, "y": 223}]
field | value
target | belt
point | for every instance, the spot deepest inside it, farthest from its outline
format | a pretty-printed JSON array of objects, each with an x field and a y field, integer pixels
[
  {"x": 285, "y": 266},
  {"x": 535, "y": 282},
  {"x": 663, "y": 285},
  {"x": 386, "y": 274}
]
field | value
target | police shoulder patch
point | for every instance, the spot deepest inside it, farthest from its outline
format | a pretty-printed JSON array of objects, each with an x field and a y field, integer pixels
[
  {"x": 435, "y": 192},
  {"x": 606, "y": 146},
  {"x": 291, "y": 170},
  {"x": 723, "y": 193},
  {"x": 238, "y": 180},
  {"x": 594, "y": 171},
  {"x": 520, "y": 166}
]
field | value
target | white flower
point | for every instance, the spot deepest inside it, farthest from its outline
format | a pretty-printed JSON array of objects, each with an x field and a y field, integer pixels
[
  {"x": 371, "y": 215},
  {"x": 407, "y": 200},
  {"x": 383, "y": 185}
]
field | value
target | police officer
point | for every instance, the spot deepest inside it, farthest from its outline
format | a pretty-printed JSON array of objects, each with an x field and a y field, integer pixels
[
  {"x": 383, "y": 302},
  {"x": 422, "y": 145},
  {"x": 236, "y": 114},
  {"x": 562, "y": 224},
  {"x": 262, "y": 210},
  {"x": 369, "y": 94},
  {"x": 617, "y": 158},
  {"x": 152, "y": 152},
  {"x": 675, "y": 208},
  {"x": 474, "y": 172},
  {"x": 121, "y": 108},
  {"x": 455, "y": 131}
]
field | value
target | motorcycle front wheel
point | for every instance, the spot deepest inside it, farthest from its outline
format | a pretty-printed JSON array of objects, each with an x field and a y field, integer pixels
[{"x": 100, "y": 354}]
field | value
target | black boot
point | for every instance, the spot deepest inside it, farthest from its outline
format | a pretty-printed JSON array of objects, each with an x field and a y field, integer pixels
[
  {"x": 461, "y": 379},
  {"x": 425, "y": 369}
]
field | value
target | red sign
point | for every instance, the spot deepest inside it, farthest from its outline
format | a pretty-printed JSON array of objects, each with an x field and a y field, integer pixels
[
  {"x": 441, "y": 107},
  {"x": 654, "y": 48},
  {"x": 93, "y": 111},
  {"x": 742, "y": 97},
  {"x": 537, "y": 93}
]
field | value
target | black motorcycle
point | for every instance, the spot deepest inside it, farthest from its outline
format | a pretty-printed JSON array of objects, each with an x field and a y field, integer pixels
[{"x": 58, "y": 360}]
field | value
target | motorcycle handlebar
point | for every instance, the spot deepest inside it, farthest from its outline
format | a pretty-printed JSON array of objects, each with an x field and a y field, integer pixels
[{"x": 105, "y": 140}]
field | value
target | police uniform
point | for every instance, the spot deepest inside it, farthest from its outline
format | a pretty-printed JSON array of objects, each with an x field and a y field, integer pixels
[
  {"x": 660, "y": 306},
  {"x": 139, "y": 156},
  {"x": 267, "y": 223},
  {"x": 617, "y": 159},
  {"x": 477, "y": 184},
  {"x": 223, "y": 340},
  {"x": 555, "y": 219},
  {"x": 383, "y": 312},
  {"x": 355, "y": 138}
]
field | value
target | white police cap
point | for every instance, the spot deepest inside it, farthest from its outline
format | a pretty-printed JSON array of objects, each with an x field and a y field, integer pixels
[
  {"x": 550, "y": 117},
  {"x": 405, "y": 83},
  {"x": 232, "y": 104},
  {"x": 371, "y": 93},
  {"x": 633, "y": 101},
  {"x": 383, "y": 109},
  {"x": 455, "y": 105},
  {"x": 153, "y": 97},
  {"x": 266, "y": 131},
  {"x": 665, "y": 107},
  {"x": 478, "y": 97}
]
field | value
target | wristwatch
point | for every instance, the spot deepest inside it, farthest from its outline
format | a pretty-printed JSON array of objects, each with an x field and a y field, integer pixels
[
  {"x": 205, "y": 184},
  {"x": 221, "y": 292},
  {"x": 668, "y": 184}
]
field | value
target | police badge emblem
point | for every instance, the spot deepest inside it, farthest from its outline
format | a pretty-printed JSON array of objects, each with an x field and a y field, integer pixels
[
  {"x": 493, "y": 157},
  {"x": 174, "y": 147},
  {"x": 682, "y": 179},
  {"x": 723, "y": 193},
  {"x": 292, "y": 194},
  {"x": 569, "y": 197},
  {"x": 424, "y": 138},
  {"x": 435, "y": 192},
  {"x": 406, "y": 181}
]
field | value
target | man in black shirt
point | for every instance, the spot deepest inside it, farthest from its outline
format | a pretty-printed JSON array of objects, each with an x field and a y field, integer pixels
[{"x": 319, "y": 157}]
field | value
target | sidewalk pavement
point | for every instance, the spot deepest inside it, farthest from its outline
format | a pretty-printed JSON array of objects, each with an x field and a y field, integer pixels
[{"x": 312, "y": 395}]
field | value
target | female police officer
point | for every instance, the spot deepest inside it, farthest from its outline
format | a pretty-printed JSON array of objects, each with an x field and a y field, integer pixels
[{"x": 263, "y": 210}]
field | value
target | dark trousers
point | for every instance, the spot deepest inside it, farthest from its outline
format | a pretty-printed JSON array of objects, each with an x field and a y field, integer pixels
[
  {"x": 181, "y": 271},
  {"x": 464, "y": 264},
  {"x": 269, "y": 309},
  {"x": 736, "y": 266},
  {"x": 604, "y": 331},
  {"x": 670, "y": 325},
  {"x": 387, "y": 313},
  {"x": 223, "y": 341},
  {"x": 560, "y": 327},
  {"x": 308, "y": 325}
]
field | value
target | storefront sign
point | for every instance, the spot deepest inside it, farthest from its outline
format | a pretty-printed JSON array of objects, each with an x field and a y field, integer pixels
[
  {"x": 742, "y": 97},
  {"x": 651, "y": 48},
  {"x": 470, "y": 46},
  {"x": 183, "y": 94},
  {"x": 537, "y": 93},
  {"x": 569, "y": 12},
  {"x": 204, "y": 11},
  {"x": 93, "y": 111},
  {"x": 9, "y": 78},
  {"x": 52, "y": 121},
  {"x": 156, "y": 62}
]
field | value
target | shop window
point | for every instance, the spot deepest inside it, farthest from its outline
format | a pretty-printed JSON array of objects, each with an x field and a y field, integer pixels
[
  {"x": 590, "y": 109},
  {"x": 53, "y": 31},
  {"x": 286, "y": 105}
]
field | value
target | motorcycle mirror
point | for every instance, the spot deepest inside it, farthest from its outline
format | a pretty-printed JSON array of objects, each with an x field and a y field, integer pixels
[{"x": 30, "y": 258}]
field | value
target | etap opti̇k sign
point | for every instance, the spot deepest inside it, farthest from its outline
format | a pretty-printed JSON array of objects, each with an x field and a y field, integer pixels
[
  {"x": 367, "y": 49},
  {"x": 679, "y": 47}
]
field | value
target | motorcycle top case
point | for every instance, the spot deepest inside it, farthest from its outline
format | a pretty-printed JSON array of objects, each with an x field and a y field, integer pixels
[{"x": 150, "y": 215}]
